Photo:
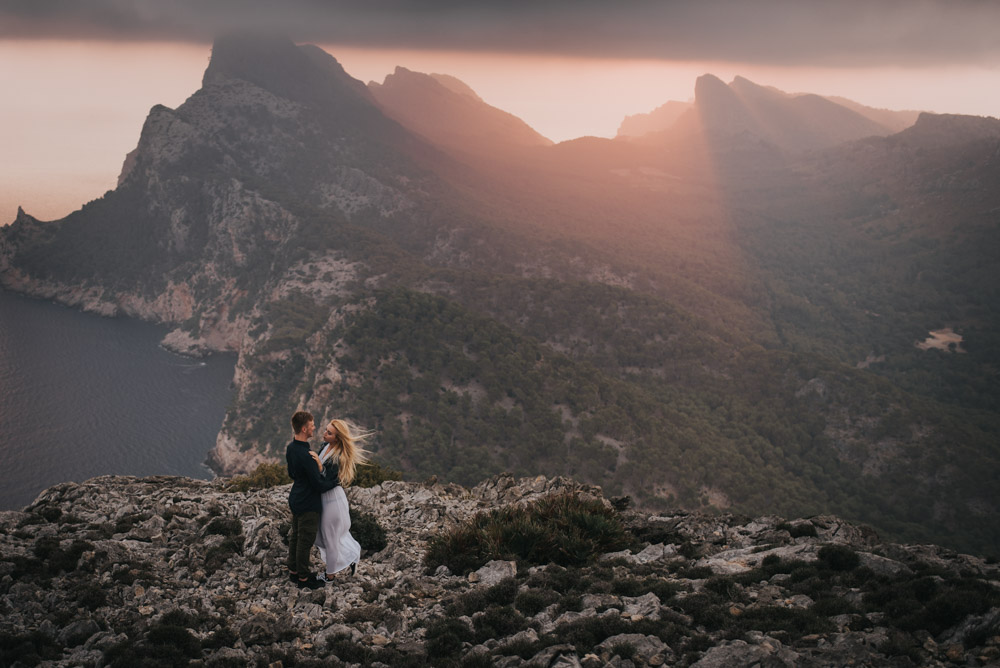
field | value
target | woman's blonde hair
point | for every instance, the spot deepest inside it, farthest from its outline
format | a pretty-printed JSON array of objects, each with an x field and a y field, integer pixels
[{"x": 347, "y": 443}]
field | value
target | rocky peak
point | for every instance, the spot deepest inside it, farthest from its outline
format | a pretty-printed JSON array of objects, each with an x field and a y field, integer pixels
[
  {"x": 791, "y": 122},
  {"x": 449, "y": 113},
  {"x": 23, "y": 218},
  {"x": 939, "y": 130},
  {"x": 117, "y": 568},
  {"x": 304, "y": 74}
]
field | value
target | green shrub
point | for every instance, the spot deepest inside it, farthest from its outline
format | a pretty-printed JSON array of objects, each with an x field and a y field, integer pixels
[
  {"x": 367, "y": 613},
  {"x": 795, "y": 621},
  {"x": 928, "y": 603},
  {"x": 89, "y": 595},
  {"x": 725, "y": 587},
  {"x": 533, "y": 601},
  {"x": 444, "y": 637},
  {"x": 498, "y": 622},
  {"x": 585, "y": 633},
  {"x": 217, "y": 556},
  {"x": 174, "y": 638},
  {"x": 563, "y": 529},
  {"x": 367, "y": 531},
  {"x": 373, "y": 473},
  {"x": 348, "y": 651},
  {"x": 625, "y": 650},
  {"x": 830, "y": 606},
  {"x": 266, "y": 475},
  {"x": 708, "y": 610},
  {"x": 50, "y": 513},
  {"x": 477, "y": 660},
  {"x": 839, "y": 558},
  {"x": 632, "y": 586},
  {"x": 30, "y": 648},
  {"x": 502, "y": 593},
  {"x": 223, "y": 637},
  {"x": 125, "y": 524},
  {"x": 798, "y": 530},
  {"x": 901, "y": 644},
  {"x": 224, "y": 526}
]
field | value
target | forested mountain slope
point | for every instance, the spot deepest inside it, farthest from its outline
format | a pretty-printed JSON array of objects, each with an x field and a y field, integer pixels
[{"x": 678, "y": 318}]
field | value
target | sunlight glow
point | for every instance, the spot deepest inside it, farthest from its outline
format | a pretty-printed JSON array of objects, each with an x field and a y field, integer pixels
[{"x": 73, "y": 109}]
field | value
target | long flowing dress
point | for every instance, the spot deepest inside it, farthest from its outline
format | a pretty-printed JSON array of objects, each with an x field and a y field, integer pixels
[{"x": 337, "y": 546}]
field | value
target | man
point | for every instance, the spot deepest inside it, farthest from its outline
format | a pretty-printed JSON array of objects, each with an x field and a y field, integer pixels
[{"x": 304, "y": 499}]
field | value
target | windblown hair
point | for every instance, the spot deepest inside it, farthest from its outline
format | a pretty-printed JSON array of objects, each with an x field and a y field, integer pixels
[{"x": 347, "y": 444}]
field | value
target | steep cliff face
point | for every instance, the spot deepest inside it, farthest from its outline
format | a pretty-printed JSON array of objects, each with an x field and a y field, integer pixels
[
  {"x": 223, "y": 199},
  {"x": 117, "y": 570}
]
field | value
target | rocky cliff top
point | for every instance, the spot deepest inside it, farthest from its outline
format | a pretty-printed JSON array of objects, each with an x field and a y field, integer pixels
[{"x": 176, "y": 571}]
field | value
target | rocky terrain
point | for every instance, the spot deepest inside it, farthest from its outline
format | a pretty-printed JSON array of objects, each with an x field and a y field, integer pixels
[{"x": 166, "y": 571}]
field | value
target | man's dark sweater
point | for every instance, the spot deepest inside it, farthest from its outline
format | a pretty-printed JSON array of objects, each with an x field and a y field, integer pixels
[{"x": 307, "y": 483}]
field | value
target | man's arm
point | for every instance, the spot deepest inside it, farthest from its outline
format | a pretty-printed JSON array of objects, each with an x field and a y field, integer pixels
[{"x": 316, "y": 479}]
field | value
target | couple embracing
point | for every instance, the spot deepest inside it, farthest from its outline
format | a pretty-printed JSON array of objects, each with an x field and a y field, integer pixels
[{"x": 320, "y": 513}]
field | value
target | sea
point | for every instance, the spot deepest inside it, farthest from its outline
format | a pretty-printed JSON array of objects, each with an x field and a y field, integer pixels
[{"x": 83, "y": 395}]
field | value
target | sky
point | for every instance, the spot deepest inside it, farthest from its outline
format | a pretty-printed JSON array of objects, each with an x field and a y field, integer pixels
[{"x": 79, "y": 76}]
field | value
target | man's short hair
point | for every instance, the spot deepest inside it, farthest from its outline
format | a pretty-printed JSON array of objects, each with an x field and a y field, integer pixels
[{"x": 300, "y": 419}]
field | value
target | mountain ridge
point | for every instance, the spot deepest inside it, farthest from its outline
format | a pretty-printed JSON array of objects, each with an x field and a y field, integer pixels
[{"x": 676, "y": 324}]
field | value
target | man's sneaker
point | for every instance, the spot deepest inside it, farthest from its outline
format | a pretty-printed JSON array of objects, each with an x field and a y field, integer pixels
[
  {"x": 293, "y": 576},
  {"x": 311, "y": 582}
]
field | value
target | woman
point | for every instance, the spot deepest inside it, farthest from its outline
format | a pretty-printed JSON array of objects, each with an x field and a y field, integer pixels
[{"x": 339, "y": 459}]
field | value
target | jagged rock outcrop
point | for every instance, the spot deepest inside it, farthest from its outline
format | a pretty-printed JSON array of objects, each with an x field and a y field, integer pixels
[
  {"x": 448, "y": 112},
  {"x": 745, "y": 111},
  {"x": 181, "y": 570},
  {"x": 658, "y": 120}
]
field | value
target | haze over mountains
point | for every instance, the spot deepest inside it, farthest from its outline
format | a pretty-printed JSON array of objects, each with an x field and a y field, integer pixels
[{"x": 720, "y": 312}]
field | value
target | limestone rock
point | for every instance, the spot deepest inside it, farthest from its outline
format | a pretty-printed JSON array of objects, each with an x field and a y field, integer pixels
[{"x": 145, "y": 557}]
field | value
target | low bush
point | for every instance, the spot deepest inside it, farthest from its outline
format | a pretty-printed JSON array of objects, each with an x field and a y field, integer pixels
[
  {"x": 633, "y": 586},
  {"x": 367, "y": 613},
  {"x": 533, "y": 601},
  {"x": 30, "y": 648},
  {"x": 217, "y": 556},
  {"x": 373, "y": 473},
  {"x": 367, "y": 531},
  {"x": 166, "y": 644},
  {"x": 498, "y": 622},
  {"x": 266, "y": 475},
  {"x": 502, "y": 593},
  {"x": 929, "y": 603},
  {"x": 125, "y": 523},
  {"x": 444, "y": 637},
  {"x": 794, "y": 621},
  {"x": 587, "y": 632},
  {"x": 839, "y": 558},
  {"x": 798, "y": 530},
  {"x": 348, "y": 651},
  {"x": 89, "y": 595},
  {"x": 224, "y": 526},
  {"x": 223, "y": 637},
  {"x": 564, "y": 529}
]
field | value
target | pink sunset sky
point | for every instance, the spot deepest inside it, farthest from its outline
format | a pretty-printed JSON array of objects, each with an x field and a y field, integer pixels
[{"x": 79, "y": 78}]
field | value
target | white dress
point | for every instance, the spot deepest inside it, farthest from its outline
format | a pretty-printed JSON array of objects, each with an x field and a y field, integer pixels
[{"x": 337, "y": 546}]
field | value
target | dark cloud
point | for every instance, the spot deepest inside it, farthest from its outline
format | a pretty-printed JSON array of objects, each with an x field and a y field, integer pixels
[{"x": 808, "y": 32}]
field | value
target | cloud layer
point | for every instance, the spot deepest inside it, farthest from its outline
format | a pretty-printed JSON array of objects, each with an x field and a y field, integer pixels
[{"x": 805, "y": 32}]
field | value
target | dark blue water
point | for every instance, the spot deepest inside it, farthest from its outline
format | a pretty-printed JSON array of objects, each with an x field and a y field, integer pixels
[{"x": 82, "y": 396}]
